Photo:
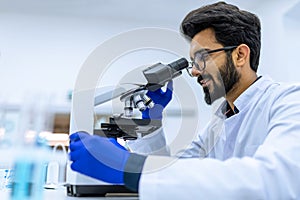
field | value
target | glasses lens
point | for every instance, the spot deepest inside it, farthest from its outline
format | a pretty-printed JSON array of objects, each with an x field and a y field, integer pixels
[{"x": 199, "y": 62}]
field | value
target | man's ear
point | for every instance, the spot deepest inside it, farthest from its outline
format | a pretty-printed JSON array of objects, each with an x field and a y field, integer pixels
[{"x": 241, "y": 55}]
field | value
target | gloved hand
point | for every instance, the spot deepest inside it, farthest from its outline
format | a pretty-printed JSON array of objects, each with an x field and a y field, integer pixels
[
  {"x": 98, "y": 157},
  {"x": 161, "y": 100}
]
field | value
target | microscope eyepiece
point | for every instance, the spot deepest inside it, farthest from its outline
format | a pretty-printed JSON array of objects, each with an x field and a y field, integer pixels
[
  {"x": 179, "y": 65},
  {"x": 158, "y": 74}
]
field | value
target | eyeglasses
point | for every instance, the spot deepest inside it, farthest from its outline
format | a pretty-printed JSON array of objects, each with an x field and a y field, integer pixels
[{"x": 201, "y": 57}]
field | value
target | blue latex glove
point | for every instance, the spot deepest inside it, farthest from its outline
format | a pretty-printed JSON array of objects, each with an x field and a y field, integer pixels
[
  {"x": 98, "y": 157},
  {"x": 161, "y": 100}
]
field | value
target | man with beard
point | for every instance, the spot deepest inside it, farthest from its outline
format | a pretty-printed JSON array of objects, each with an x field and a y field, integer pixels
[{"x": 251, "y": 147}]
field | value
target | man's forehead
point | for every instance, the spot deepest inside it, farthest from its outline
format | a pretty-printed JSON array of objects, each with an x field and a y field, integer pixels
[
  {"x": 203, "y": 40},
  {"x": 195, "y": 46}
]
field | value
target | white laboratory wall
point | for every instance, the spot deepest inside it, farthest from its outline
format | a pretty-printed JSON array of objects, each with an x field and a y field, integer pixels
[
  {"x": 44, "y": 44},
  {"x": 280, "y": 40}
]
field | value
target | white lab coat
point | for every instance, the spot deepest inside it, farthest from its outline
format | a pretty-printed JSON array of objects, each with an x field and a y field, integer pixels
[{"x": 254, "y": 154}]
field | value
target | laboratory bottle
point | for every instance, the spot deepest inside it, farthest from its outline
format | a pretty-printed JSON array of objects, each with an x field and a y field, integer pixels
[{"x": 31, "y": 152}]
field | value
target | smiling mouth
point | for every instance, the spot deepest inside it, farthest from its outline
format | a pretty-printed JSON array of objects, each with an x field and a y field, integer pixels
[{"x": 204, "y": 82}]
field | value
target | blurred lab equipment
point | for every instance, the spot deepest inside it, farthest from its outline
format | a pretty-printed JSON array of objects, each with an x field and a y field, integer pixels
[{"x": 27, "y": 154}]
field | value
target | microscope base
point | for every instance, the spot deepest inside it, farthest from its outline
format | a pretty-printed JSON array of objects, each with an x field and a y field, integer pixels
[{"x": 98, "y": 190}]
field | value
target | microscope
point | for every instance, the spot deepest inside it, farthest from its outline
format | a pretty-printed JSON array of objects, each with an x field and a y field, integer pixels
[{"x": 122, "y": 125}]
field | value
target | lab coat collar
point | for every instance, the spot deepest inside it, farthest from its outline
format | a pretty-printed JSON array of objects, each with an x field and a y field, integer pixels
[{"x": 254, "y": 91}]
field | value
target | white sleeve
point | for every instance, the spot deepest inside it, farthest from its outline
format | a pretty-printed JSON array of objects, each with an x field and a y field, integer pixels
[
  {"x": 272, "y": 173},
  {"x": 205, "y": 140},
  {"x": 154, "y": 144}
]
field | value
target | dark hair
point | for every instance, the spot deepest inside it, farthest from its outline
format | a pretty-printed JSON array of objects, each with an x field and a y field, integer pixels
[{"x": 231, "y": 25}]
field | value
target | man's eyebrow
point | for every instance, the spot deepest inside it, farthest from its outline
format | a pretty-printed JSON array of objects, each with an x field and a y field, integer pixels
[{"x": 201, "y": 51}]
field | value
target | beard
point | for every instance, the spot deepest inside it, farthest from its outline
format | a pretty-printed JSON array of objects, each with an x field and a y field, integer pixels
[{"x": 227, "y": 78}]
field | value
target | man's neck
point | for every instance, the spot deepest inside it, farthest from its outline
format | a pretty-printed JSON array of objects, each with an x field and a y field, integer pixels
[{"x": 239, "y": 88}]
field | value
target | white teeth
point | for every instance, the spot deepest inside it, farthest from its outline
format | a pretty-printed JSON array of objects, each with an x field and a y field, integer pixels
[{"x": 204, "y": 82}]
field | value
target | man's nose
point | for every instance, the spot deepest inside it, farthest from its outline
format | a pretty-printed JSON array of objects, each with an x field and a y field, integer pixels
[{"x": 196, "y": 72}]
